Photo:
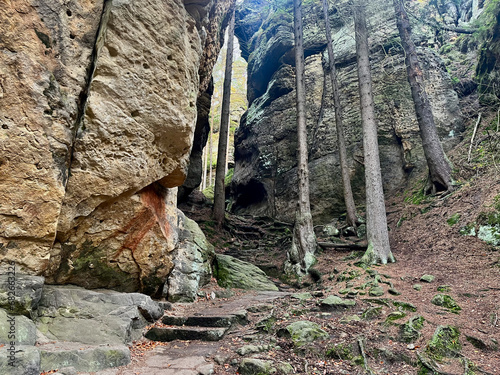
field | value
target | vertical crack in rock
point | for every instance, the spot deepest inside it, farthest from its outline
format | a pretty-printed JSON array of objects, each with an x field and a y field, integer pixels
[{"x": 83, "y": 97}]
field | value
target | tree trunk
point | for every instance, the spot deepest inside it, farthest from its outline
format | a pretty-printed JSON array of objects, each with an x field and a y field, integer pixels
[
  {"x": 210, "y": 177},
  {"x": 301, "y": 255},
  {"x": 376, "y": 221},
  {"x": 346, "y": 180},
  {"x": 226, "y": 167},
  {"x": 219, "y": 191},
  {"x": 439, "y": 167},
  {"x": 204, "y": 171}
]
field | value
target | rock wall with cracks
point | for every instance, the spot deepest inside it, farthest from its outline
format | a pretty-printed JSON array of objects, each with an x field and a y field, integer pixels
[
  {"x": 98, "y": 107},
  {"x": 265, "y": 175}
]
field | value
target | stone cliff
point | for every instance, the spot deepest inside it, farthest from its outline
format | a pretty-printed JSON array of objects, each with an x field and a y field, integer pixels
[
  {"x": 265, "y": 147},
  {"x": 98, "y": 109}
]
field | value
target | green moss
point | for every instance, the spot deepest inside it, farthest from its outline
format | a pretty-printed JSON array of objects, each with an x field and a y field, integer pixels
[
  {"x": 404, "y": 306},
  {"x": 340, "y": 351},
  {"x": 447, "y": 302},
  {"x": 229, "y": 177},
  {"x": 348, "y": 275},
  {"x": 209, "y": 192},
  {"x": 372, "y": 312},
  {"x": 455, "y": 218},
  {"x": 410, "y": 331},
  {"x": 393, "y": 316},
  {"x": 92, "y": 270},
  {"x": 444, "y": 343},
  {"x": 359, "y": 360},
  {"x": 443, "y": 288},
  {"x": 468, "y": 230}
]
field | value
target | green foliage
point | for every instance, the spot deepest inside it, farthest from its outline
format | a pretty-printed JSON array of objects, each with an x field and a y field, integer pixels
[
  {"x": 455, "y": 218},
  {"x": 229, "y": 177},
  {"x": 486, "y": 22},
  {"x": 417, "y": 195}
]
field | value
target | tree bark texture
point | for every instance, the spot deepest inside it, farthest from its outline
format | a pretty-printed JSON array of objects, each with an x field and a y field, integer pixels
[
  {"x": 439, "y": 167},
  {"x": 376, "y": 222},
  {"x": 301, "y": 254},
  {"x": 219, "y": 191},
  {"x": 346, "y": 179}
]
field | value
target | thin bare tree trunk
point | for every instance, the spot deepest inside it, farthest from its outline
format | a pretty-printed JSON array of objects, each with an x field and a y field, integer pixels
[
  {"x": 346, "y": 180},
  {"x": 379, "y": 250},
  {"x": 210, "y": 177},
  {"x": 204, "y": 171},
  {"x": 219, "y": 191},
  {"x": 227, "y": 148},
  {"x": 301, "y": 255},
  {"x": 439, "y": 167}
]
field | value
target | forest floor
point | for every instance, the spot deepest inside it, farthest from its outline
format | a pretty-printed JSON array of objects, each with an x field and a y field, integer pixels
[{"x": 426, "y": 239}]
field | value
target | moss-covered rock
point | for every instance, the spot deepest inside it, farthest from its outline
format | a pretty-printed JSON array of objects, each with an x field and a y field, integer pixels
[
  {"x": 410, "y": 331},
  {"x": 254, "y": 366},
  {"x": 376, "y": 291},
  {"x": 372, "y": 312},
  {"x": 234, "y": 273},
  {"x": 405, "y": 306},
  {"x": 342, "y": 351},
  {"x": 304, "y": 331},
  {"x": 393, "y": 316},
  {"x": 427, "y": 278},
  {"x": 444, "y": 343},
  {"x": 334, "y": 302},
  {"x": 447, "y": 302}
]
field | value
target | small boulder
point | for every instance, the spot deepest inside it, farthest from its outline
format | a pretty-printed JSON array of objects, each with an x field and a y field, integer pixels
[
  {"x": 376, "y": 291},
  {"x": 302, "y": 296},
  {"x": 405, "y": 306},
  {"x": 234, "y": 273},
  {"x": 447, "y": 302},
  {"x": 372, "y": 312},
  {"x": 254, "y": 366},
  {"x": 427, "y": 278},
  {"x": 304, "y": 331},
  {"x": 410, "y": 331},
  {"x": 445, "y": 342},
  {"x": 334, "y": 303},
  {"x": 343, "y": 351}
]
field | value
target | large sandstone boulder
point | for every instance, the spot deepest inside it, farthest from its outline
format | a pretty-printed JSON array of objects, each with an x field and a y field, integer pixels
[
  {"x": 98, "y": 109},
  {"x": 265, "y": 175}
]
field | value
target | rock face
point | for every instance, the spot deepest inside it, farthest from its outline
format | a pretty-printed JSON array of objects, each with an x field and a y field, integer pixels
[
  {"x": 72, "y": 327},
  {"x": 266, "y": 143},
  {"x": 98, "y": 108}
]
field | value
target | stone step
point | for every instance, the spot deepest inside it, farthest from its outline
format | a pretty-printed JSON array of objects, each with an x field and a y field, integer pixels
[
  {"x": 239, "y": 317},
  {"x": 186, "y": 333},
  {"x": 85, "y": 358}
]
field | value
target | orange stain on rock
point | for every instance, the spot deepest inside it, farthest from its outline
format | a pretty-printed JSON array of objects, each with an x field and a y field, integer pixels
[{"x": 153, "y": 199}]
